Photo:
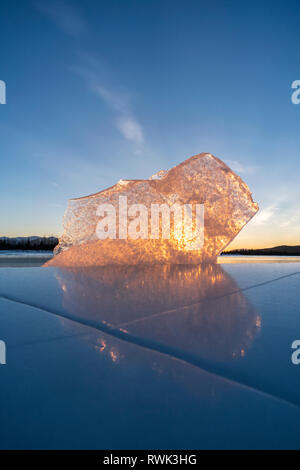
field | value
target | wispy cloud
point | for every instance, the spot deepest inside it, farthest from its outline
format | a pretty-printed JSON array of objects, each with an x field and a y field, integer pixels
[
  {"x": 130, "y": 129},
  {"x": 115, "y": 100},
  {"x": 70, "y": 21},
  {"x": 290, "y": 215},
  {"x": 264, "y": 215},
  {"x": 119, "y": 102},
  {"x": 292, "y": 221},
  {"x": 240, "y": 168},
  {"x": 66, "y": 17}
]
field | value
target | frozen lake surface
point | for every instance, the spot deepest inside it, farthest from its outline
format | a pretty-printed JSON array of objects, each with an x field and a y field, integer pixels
[
  {"x": 180, "y": 357},
  {"x": 25, "y": 253},
  {"x": 26, "y": 258}
]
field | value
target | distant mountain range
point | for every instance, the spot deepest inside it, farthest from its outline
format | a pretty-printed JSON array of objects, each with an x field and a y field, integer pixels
[
  {"x": 283, "y": 250},
  {"x": 49, "y": 243},
  {"x": 28, "y": 243}
]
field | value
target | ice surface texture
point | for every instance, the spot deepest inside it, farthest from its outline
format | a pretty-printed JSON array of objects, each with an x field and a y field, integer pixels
[{"x": 201, "y": 179}]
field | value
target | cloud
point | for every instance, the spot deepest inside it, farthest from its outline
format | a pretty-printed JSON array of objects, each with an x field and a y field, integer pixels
[
  {"x": 291, "y": 218},
  {"x": 70, "y": 21},
  {"x": 119, "y": 102},
  {"x": 126, "y": 123},
  {"x": 64, "y": 15},
  {"x": 240, "y": 168},
  {"x": 264, "y": 215},
  {"x": 130, "y": 129},
  {"x": 114, "y": 100},
  {"x": 288, "y": 223}
]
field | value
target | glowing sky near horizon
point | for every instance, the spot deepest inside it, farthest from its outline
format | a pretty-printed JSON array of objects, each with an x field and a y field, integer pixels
[{"x": 99, "y": 91}]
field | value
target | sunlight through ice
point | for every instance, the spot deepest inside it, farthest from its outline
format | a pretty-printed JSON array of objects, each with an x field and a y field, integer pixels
[{"x": 186, "y": 215}]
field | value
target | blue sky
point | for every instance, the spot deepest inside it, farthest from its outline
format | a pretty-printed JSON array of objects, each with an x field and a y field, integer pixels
[{"x": 103, "y": 90}]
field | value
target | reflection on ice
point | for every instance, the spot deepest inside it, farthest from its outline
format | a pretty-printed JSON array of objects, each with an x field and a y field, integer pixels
[{"x": 198, "y": 309}]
